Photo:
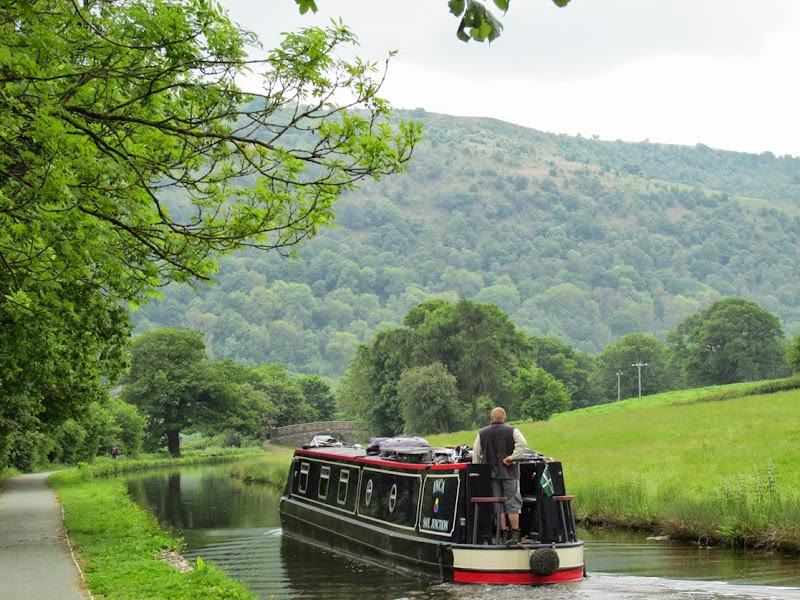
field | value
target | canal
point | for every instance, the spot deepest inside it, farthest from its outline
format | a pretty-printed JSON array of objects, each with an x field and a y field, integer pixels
[{"x": 236, "y": 526}]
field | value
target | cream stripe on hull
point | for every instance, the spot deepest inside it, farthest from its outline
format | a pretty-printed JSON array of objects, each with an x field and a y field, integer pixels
[{"x": 503, "y": 559}]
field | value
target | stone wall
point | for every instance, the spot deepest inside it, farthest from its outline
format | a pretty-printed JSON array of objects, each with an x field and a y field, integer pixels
[{"x": 297, "y": 435}]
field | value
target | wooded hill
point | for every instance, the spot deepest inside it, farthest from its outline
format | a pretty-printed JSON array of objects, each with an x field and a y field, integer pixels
[{"x": 577, "y": 239}]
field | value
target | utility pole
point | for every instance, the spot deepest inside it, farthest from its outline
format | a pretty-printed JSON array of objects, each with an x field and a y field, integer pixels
[
  {"x": 639, "y": 366},
  {"x": 619, "y": 393}
]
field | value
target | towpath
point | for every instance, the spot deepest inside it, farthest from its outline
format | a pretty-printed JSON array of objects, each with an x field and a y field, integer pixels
[{"x": 35, "y": 559}]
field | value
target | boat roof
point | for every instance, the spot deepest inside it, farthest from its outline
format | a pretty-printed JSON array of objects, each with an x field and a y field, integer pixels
[
  {"x": 410, "y": 458},
  {"x": 407, "y": 452}
]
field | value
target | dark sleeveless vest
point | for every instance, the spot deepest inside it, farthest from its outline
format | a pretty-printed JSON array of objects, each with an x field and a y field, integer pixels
[{"x": 497, "y": 442}]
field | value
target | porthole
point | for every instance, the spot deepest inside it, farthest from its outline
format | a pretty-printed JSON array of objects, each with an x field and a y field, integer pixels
[
  {"x": 302, "y": 485},
  {"x": 344, "y": 482},
  {"x": 324, "y": 480},
  {"x": 368, "y": 493}
]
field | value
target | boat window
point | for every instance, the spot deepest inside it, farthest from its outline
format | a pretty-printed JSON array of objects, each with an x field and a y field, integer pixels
[
  {"x": 324, "y": 478},
  {"x": 302, "y": 485},
  {"x": 344, "y": 481}
]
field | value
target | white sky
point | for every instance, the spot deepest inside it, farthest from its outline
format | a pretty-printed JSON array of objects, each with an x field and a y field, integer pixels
[{"x": 719, "y": 72}]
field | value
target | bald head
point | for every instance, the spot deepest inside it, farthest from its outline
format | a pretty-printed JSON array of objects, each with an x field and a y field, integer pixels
[{"x": 498, "y": 415}]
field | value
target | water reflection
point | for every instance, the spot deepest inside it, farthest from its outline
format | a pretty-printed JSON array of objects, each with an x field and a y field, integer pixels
[
  {"x": 237, "y": 527},
  {"x": 205, "y": 497},
  {"x": 633, "y": 554}
]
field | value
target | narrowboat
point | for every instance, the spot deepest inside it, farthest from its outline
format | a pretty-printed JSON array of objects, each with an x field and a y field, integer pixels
[{"x": 429, "y": 512}]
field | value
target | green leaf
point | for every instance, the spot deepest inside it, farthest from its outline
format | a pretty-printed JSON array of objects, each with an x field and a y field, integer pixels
[
  {"x": 503, "y": 4},
  {"x": 20, "y": 298},
  {"x": 482, "y": 32},
  {"x": 561, "y": 3},
  {"x": 305, "y": 5},
  {"x": 461, "y": 33},
  {"x": 495, "y": 27},
  {"x": 457, "y": 7}
]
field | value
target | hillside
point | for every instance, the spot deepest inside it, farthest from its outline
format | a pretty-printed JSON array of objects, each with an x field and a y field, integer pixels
[{"x": 578, "y": 239}]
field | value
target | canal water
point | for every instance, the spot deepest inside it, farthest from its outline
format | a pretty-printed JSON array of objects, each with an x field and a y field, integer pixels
[{"x": 236, "y": 526}]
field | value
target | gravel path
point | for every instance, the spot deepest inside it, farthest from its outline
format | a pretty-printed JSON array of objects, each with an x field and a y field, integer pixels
[{"x": 35, "y": 559}]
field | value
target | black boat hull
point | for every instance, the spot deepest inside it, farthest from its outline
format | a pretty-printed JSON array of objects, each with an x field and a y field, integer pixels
[{"x": 424, "y": 520}]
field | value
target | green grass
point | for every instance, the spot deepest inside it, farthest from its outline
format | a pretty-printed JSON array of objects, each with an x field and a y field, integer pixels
[
  {"x": 666, "y": 398},
  {"x": 271, "y": 469},
  {"x": 118, "y": 543},
  {"x": 7, "y": 473},
  {"x": 714, "y": 464},
  {"x": 105, "y": 466}
]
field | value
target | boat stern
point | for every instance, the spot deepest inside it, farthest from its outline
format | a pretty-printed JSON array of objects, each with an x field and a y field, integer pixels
[{"x": 533, "y": 564}]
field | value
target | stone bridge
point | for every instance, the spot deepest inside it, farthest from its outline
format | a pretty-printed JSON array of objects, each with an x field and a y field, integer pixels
[{"x": 349, "y": 432}]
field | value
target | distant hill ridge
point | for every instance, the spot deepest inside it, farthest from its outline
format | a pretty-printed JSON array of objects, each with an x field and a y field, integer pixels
[{"x": 575, "y": 238}]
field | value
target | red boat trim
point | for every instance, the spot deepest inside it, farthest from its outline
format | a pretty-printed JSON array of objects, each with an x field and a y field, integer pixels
[
  {"x": 516, "y": 577},
  {"x": 381, "y": 462}
]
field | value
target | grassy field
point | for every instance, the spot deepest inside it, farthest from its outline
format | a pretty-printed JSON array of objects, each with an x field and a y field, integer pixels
[
  {"x": 711, "y": 465},
  {"x": 718, "y": 465}
]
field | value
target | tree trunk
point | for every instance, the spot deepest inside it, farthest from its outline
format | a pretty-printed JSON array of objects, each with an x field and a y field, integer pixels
[{"x": 174, "y": 443}]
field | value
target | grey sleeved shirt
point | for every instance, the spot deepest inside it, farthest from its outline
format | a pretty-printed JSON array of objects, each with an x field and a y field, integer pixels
[{"x": 519, "y": 447}]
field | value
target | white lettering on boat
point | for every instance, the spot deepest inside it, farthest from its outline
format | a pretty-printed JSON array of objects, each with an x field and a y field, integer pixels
[{"x": 435, "y": 524}]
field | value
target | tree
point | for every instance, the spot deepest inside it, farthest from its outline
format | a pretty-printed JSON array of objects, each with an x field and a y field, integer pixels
[
  {"x": 318, "y": 394},
  {"x": 732, "y": 340},
  {"x": 354, "y": 392},
  {"x": 130, "y": 158},
  {"x": 619, "y": 356},
  {"x": 541, "y": 395},
  {"x": 54, "y": 362},
  {"x": 384, "y": 363},
  {"x": 287, "y": 396},
  {"x": 227, "y": 402},
  {"x": 130, "y": 149},
  {"x": 572, "y": 367},
  {"x": 428, "y": 398},
  {"x": 477, "y": 343},
  {"x": 793, "y": 353},
  {"x": 105, "y": 423},
  {"x": 68, "y": 444},
  {"x": 164, "y": 382},
  {"x": 127, "y": 428}
]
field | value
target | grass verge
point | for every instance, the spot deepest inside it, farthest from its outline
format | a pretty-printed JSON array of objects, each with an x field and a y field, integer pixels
[
  {"x": 271, "y": 469},
  {"x": 105, "y": 467},
  {"x": 119, "y": 545},
  {"x": 6, "y": 474},
  {"x": 715, "y": 465}
]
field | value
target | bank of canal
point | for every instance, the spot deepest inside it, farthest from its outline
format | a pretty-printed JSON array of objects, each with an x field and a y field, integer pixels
[{"x": 236, "y": 526}]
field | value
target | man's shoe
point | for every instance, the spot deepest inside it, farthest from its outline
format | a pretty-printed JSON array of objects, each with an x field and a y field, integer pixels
[{"x": 516, "y": 534}]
